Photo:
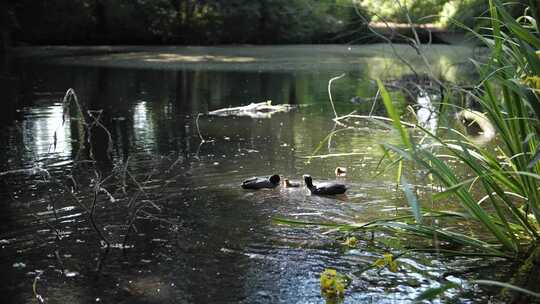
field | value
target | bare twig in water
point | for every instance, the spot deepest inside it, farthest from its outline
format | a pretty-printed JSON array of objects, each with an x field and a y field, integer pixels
[
  {"x": 133, "y": 208},
  {"x": 97, "y": 189},
  {"x": 60, "y": 261},
  {"x": 131, "y": 223},
  {"x": 178, "y": 160},
  {"x": 407, "y": 124},
  {"x": 69, "y": 97},
  {"x": 203, "y": 141},
  {"x": 198, "y": 128},
  {"x": 96, "y": 116},
  {"x": 53, "y": 204},
  {"x": 32, "y": 171},
  {"x": 38, "y": 297},
  {"x": 87, "y": 121},
  {"x": 123, "y": 175},
  {"x": 334, "y": 155},
  {"x": 374, "y": 102},
  {"x": 66, "y": 101},
  {"x": 101, "y": 260},
  {"x": 330, "y": 92}
]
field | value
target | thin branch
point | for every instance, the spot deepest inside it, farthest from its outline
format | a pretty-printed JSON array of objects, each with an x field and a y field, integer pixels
[
  {"x": 38, "y": 297},
  {"x": 330, "y": 91},
  {"x": 97, "y": 188},
  {"x": 407, "y": 124},
  {"x": 198, "y": 129}
]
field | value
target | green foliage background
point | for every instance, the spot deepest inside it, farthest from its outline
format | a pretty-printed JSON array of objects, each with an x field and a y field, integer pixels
[
  {"x": 184, "y": 21},
  {"x": 220, "y": 21},
  {"x": 420, "y": 11}
]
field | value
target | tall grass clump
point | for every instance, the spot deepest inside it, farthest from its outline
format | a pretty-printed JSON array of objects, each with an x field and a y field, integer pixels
[
  {"x": 500, "y": 191},
  {"x": 496, "y": 186}
]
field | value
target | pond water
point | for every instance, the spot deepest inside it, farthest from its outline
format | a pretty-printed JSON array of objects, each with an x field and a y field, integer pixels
[{"x": 197, "y": 237}]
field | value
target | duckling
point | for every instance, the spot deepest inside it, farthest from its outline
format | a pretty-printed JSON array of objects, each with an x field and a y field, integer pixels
[
  {"x": 341, "y": 171},
  {"x": 289, "y": 184},
  {"x": 261, "y": 182},
  {"x": 328, "y": 188}
]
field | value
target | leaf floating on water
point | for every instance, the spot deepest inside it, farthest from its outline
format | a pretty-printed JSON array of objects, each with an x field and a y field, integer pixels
[{"x": 333, "y": 285}]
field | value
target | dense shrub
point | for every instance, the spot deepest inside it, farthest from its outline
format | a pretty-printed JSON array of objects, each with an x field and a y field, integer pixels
[
  {"x": 420, "y": 11},
  {"x": 53, "y": 21},
  {"x": 182, "y": 21}
]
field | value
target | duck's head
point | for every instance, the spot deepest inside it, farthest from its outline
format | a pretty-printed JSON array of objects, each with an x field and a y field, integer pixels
[
  {"x": 274, "y": 179},
  {"x": 341, "y": 171},
  {"x": 308, "y": 180}
]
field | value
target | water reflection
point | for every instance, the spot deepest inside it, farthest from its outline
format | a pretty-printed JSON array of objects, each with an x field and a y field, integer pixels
[
  {"x": 44, "y": 132},
  {"x": 143, "y": 126},
  {"x": 427, "y": 114}
]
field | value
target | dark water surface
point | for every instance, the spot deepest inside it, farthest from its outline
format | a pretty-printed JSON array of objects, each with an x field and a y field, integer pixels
[{"x": 197, "y": 237}]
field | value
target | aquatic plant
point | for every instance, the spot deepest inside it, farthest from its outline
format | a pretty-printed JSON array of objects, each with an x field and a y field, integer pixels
[
  {"x": 509, "y": 209},
  {"x": 506, "y": 176},
  {"x": 507, "y": 92},
  {"x": 333, "y": 284},
  {"x": 387, "y": 261},
  {"x": 497, "y": 186}
]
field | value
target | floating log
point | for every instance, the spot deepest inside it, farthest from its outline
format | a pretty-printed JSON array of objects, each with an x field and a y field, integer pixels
[{"x": 253, "y": 110}]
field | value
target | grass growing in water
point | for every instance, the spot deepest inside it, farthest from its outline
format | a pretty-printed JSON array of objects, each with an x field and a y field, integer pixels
[{"x": 507, "y": 176}]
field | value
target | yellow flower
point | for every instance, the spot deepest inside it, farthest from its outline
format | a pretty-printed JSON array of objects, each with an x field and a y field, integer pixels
[
  {"x": 333, "y": 284},
  {"x": 388, "y": 262},
  {"x": 350, "y": 242},
  {"x": 533, "y": 82}
]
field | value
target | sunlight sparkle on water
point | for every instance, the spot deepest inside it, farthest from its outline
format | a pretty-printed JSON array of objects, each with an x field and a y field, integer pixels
[{"x": 39, "y": 131}]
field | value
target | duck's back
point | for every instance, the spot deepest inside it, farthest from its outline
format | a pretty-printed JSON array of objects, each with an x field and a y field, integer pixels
[
  {"x": 329, "y": 188},
  {"x": 257, "y": 183}
]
